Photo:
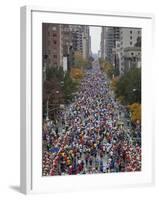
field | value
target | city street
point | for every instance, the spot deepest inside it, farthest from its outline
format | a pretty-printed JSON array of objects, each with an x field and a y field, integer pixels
[{"x": 95, "y": 134}]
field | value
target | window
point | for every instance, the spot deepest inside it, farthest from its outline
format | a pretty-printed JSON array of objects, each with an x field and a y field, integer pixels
[
  {"x": 54, "y": 42},
  {"x": 130, "y": 32},
  {"x": 130, "y": 43},
  {"x": 54, "y": 34},
  {"x": 130, "y": 37},
  {"x": 66, "y": 29},
  {"x": 55, "y": 56},
  {"x": 54, "y": 28},
  {"x": 132, "y": 53},
  {"x": 118, "y": 45}
]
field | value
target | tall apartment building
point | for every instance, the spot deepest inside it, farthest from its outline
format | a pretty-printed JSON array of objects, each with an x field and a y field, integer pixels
[
  {"x": 81, "y": 40},
  {"x": 67, "y": 49},
  {"x": 130, "y": 52},
  {"x": 90, "y": 51},
  {"x": 118, "y": 46},
  {"x": 109, "y": 36},
  {"x": 60, "y": 41},
  {"x": 85, "y": 42},
  {"x": 102, "y": 43},
  {"x": 51, "y": 45}
]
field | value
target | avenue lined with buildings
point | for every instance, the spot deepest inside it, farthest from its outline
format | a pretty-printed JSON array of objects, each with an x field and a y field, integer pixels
[{"x": 91, "y": 99}]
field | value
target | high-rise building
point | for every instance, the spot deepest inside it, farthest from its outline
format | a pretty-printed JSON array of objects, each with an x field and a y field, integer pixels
[
  {"x": 85, "y": 42},
  {"x": 77, "y": 32},
  {"x": 109, "y": 36},
  {"x": 67, "y": 48},
  {"x": 102, "y": 44},
  {"x": 90, "y": 51},
  {"x": 130, "y": 48},
  {"x": 61, "y": 41},
  {"x": 51, "y": 45},
  {"x": 81, "y": 39},
  {"x": 121, "y": 47}
]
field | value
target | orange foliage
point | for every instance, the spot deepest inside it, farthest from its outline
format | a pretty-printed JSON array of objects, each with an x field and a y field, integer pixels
[
  {"x": 135, "y": 109},
  {"x": 76, "y": 73},
  {"x": 114, "y": 82}
]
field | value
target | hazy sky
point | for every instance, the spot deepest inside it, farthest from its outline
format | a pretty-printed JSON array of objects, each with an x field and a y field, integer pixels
[{"x": 95, "y": 33}]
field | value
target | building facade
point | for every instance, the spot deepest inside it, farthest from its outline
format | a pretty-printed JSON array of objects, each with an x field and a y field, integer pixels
[
  {"x": 121, "y": 47},
  {"x": 130, "y": 52},
  {"x": 61, "y": 41},
  {"x": 51, "y": 45},
  {"x": 109, "y": 36}
]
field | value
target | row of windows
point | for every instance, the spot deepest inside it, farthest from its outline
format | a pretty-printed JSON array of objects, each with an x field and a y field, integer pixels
[
  {"x": 130, "y": 38},
  {"x": 138, "y": 32},
  {"x": 132, "y": 54},
  {"x": 129, "y": 43},
  {"x": 134, "y": 59},
  {"x": 50, "y": 61},
  {"x": 52, "y": 51},
  {"x": 54, "y": 56},
  {"x": 54, "y": 42},
  {"x": 54, "y": 34}
]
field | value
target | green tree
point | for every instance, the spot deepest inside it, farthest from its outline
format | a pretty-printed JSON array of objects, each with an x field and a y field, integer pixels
[
  {"x": 69, "y": 88},
  {"x": 80, "y": 62},
  {"x": 58, "y": 88},
  {"x": 107, "y": 67},
  {"x": 129, "y": 86},
  {"x": 55, "y": 72}
]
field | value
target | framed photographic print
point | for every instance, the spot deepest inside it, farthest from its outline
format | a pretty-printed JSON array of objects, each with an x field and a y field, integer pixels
[{"x": 86, "y": 100}]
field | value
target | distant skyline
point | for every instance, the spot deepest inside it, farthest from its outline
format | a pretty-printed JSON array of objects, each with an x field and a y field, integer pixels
[{"x": 95, "y": 33}]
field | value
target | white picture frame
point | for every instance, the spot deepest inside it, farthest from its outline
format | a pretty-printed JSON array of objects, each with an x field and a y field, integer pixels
[{"x": 31, "y": 59}]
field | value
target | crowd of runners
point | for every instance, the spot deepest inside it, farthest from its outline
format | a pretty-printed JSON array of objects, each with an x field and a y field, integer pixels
[{"x": 95, "y": 134}]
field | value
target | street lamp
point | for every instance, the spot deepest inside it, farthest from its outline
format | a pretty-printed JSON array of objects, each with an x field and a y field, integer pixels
[
  {"x": 44, "y": 66},
  {"x": 47, "y": 108},
  {"x": 134, "y": 89},
  {"x": 62, "y": 83}
]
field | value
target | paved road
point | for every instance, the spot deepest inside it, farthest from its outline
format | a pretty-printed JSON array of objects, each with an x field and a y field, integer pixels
[{"x": 93, "y": 139}]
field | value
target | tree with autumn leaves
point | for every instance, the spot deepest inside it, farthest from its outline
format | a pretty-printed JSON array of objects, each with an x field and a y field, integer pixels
[
  {"x": 106, "y": 67},
  {"x": 76, "y": 73},
  {"x": 81, "y": 62},
  {"x": 128, "y": 91},
  {"x": 135, "y": 110}
]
